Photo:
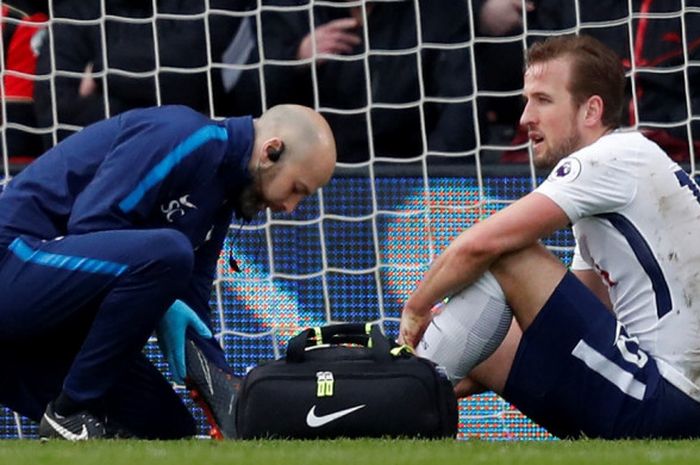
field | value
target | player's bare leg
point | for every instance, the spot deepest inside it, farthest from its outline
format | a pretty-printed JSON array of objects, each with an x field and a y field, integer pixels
[
  {"x": 492, "y": 373},
  {"x": 528, "y": 279}
]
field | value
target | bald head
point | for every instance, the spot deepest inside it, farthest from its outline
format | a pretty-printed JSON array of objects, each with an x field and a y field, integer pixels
[
  {"x": 304, "y": 134},
  {"x": 293, "y": 155}
]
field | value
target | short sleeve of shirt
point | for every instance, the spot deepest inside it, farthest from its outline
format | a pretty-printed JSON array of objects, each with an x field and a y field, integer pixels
[
  {"x": 577, "y": 262},
  {"x": 599, "y": 178}
]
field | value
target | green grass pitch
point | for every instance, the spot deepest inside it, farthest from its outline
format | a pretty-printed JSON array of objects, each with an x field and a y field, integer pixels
[{"x": 355, "y": 452}]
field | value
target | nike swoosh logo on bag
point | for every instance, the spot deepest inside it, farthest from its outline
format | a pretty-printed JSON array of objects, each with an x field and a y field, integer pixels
[
  {"x": 66, "y": 433},
  {"x": 315, "y": 421}
]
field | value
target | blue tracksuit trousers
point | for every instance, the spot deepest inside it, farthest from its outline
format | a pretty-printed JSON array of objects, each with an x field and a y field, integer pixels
[{"x": 75, "y": 313}]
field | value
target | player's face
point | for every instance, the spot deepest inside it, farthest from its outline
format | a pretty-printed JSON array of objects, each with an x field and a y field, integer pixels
[{"x": 550, "y": 115}]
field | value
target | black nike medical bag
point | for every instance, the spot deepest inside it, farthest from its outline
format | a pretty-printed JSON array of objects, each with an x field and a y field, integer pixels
[{"x": 346, "y": 380}]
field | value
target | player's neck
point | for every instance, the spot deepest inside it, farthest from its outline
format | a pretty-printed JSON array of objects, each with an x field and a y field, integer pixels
[{"x": 594, "y": 135}]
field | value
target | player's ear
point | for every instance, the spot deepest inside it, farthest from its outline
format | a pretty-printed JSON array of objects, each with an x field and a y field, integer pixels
[{"x": 594, "y": 108}]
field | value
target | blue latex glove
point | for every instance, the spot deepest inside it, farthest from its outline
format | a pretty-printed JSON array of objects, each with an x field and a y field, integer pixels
[{"x": 171, "y": 336}]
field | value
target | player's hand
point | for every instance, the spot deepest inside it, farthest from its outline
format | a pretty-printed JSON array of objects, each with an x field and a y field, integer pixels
[
  {"x": 171, "y": 336},
  {"x": 336, "y": 37},
  {"x": 413, "y": 325}
]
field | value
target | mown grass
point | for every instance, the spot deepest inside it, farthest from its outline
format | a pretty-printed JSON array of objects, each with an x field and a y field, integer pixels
[{"x": 357, "y": 452}]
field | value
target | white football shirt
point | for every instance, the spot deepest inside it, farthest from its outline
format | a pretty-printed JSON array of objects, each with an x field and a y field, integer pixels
[{"x": 636, "y": 220}]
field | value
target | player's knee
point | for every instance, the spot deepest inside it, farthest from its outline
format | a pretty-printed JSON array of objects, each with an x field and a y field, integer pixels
[
  {"x": 172, "y": 251},
  {"x": 467, "y": 329}
]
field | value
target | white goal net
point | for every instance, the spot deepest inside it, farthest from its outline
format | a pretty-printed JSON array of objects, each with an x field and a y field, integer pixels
[{"x": 423, "y": 96}]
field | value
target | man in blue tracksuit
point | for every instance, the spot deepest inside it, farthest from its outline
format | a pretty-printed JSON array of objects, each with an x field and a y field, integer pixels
[{"x": 115, "y": 232}]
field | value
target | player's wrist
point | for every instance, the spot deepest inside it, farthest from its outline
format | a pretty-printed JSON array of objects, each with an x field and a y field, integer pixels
[{"x": 415, "y": 310}]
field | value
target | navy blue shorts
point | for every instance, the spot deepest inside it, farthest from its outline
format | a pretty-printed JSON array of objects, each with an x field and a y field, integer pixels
[{"x": 578, "y": 373}]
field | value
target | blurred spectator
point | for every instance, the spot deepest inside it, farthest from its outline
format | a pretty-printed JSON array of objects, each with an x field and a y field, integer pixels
[
  {"x": 664, "y": 85},
  {"x": 241, "y": 69},
  {"x": 496, "y": 62},
  {"x": 501, "y": 17},
  {"x": 377, "y": 55},
  {"x": 23, "y": 21},
  {"x": 135, "y": 75}
]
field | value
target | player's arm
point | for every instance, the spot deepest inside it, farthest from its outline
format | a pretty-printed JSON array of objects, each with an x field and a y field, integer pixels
[
  {"x": 593, "y": 282},
  {"x": 518, "y": 226}
]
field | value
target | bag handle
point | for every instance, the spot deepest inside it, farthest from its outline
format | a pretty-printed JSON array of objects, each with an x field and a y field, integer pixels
[{"x": 367, "y": 335}]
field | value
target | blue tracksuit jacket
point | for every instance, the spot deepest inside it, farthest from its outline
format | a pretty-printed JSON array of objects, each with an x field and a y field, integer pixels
[{"x": 165, "y": 167}]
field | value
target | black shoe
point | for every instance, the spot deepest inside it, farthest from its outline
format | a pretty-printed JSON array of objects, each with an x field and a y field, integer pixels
[
  {"x": 77, "y": 427},
  {"x": 114, "y": 430},
  {"x": 214, "y": 390}
]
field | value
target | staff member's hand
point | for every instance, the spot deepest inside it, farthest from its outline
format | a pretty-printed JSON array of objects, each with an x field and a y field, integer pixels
[{"x": 171, "y": 336}]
